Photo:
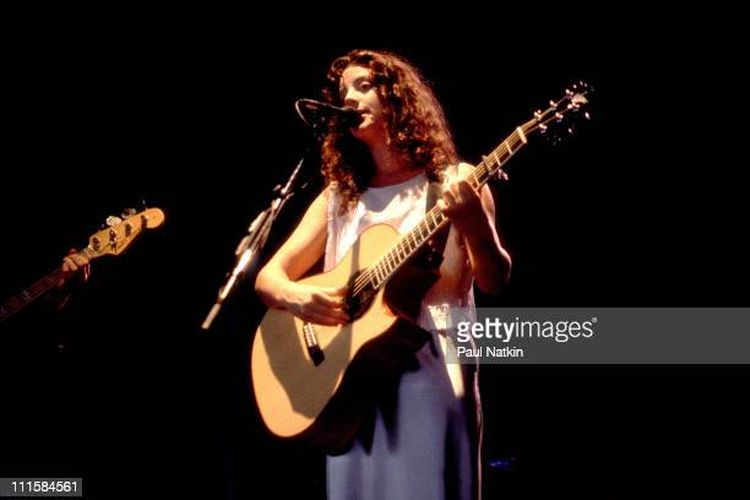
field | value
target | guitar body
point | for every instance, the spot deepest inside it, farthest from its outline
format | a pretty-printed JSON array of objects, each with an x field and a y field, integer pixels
[{"x": 320, "y": 393}]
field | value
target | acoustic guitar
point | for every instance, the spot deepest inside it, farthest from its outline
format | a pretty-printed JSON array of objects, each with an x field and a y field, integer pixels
[{"x": 309, "y": 380}]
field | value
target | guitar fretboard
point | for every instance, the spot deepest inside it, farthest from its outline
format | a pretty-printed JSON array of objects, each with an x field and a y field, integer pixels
[
  {"x": 36, "y": 290},
  {"x": 379, "y": 273}
]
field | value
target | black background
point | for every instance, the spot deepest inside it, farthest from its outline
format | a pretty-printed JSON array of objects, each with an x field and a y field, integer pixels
[{"x": 643, "y": 207}]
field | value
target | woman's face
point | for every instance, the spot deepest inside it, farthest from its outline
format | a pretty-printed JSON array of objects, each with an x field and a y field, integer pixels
[{"x": 358, "y": 91}]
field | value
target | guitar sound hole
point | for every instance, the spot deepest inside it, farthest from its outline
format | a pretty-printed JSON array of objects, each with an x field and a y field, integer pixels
[{"x": 357, "y": 303}]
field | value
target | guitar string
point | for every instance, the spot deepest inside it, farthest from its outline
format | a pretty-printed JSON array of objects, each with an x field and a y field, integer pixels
[
  {"x": 482, "y": 169},
  {"x": 371, "y": 274},
  {"x": 509, "y": 146},
  {"x": 393, "y": 255}
]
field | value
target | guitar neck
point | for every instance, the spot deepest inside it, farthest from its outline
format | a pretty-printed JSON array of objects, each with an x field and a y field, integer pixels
[
  {"x": 34, "y": 291},
  {"x": 112, "y": 240},
  {"x": 380, "y": 272}
]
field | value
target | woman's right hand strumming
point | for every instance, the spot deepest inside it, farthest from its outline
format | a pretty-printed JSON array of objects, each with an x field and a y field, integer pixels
[{"x": 319, "y": 305}]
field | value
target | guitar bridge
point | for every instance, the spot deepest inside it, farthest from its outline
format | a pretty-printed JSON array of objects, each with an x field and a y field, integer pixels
[{"x": 311, "y": 342}]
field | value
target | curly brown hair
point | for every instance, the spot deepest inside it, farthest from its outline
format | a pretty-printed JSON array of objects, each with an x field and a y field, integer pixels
[{"x": 417, "y": 128}]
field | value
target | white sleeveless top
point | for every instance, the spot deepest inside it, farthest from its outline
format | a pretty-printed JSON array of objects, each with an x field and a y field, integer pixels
[{"x": 402, "y": 206}]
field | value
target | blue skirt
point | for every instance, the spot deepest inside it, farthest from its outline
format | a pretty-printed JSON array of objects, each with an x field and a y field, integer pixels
[{"x": 421, "y": 442}]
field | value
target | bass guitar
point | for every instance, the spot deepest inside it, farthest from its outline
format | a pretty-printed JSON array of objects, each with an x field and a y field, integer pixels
[{"x": 110, "y": 241}]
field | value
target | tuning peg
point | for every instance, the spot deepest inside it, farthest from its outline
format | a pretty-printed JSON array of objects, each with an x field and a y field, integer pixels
[
  {"x": 128, "y": 212},
  {"x": 113, "y": 220}
]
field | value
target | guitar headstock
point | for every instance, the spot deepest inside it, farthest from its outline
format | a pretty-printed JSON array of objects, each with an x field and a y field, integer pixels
[
  {"x": 560, "y": 112},
  {"x": 121, "y": 232},
  {"x": 562, "y": 115}
]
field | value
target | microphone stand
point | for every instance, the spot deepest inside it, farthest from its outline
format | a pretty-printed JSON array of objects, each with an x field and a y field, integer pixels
[
  {"x": 251, "y": 245},
  {"x": 257, "y": 233}
]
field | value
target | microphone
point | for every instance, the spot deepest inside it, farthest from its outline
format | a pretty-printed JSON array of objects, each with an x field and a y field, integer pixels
[{"x": 318, "y": 110}]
